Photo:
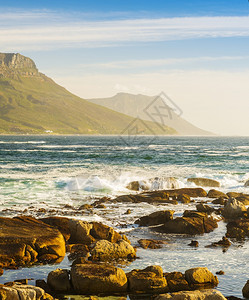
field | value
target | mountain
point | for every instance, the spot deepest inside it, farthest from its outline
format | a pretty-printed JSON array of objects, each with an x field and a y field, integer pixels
[
  {"x": 30, "y": 102},
  {"x": 158, "y": 108}
]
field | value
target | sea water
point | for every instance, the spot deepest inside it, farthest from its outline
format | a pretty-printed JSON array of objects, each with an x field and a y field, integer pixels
[{"x": 52, "y": 171}]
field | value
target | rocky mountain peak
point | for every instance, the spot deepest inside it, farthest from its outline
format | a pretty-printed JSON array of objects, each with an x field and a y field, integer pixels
[{"x": 14, "y": 64}]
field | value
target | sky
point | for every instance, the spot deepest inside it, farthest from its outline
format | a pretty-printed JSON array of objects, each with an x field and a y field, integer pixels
[{"x": 197, "y": 52}]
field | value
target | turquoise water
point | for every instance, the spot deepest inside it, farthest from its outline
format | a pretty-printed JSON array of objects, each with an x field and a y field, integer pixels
[{"x": 51, "y": 171}]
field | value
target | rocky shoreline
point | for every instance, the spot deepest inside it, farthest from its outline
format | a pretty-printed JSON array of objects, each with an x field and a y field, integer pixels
[{"x": 95, "y": 250}]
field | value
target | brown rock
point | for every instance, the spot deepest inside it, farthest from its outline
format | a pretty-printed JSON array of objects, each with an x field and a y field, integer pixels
[
  {"x": 194, "y": 244},
  {"x": 24, "y": 240},
  {"x": 103, "y": 232},
  {"x": 138, "y": 185},
  {"x": 193, "y": 295},
  {"x": 219, "y": 200},
  {"x": 19, "y": 291},
  {"x": 58, "y": 281},
  {"x": 104, "y": 250},
  {"x": 80, "y": 232},
  {"x": 245, "y": 290},
  {"x": 77, "y": 250},
  {"x": 151, "y": 244},
  {"x": 246, "y": 183},
  {"x": 204, "y": 182},
  {"x": 177, "y": 282},
  {"x": 233, "y": 209},
  {"x": 156, "y": 218},
  {"x": 224, "y": 243},
  {"x": 184, "y": 198},
  {"x": 93, "y": 279},
  {"x": 220, "y": 272},
  {"x": 216, "y": 194},
  {"x": 204, "y": 208},
  {"x": 61, "y": 223},
  {"x": 238, "y": 229},
  {"x": 200, "y": 276},
  {"x": 192, "y": 192},
  {"x": 148, "y": 280}
]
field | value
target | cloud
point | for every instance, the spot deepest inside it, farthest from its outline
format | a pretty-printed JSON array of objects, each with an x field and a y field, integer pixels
[{"x": 48, "y": 30}]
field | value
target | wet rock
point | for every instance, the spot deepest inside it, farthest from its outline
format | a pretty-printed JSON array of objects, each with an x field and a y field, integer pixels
[
  {"x": 80, "y": 232},
  {"x": 238, "y": 229},
  {"x": 19, "y": 291},
  {"x": 224, "y": 243},
  {"x": 193, "y": 295},
  {"x": 243, "y": 199},
  {"x": 151, "y": 244},
  {"x": 138, "y": 186},
  {"x": 43, "y": 285},
  {"x": 61, "y": 223},
  {"x": 104, "y": 250},
  {"x": 156, "y": 218},
  {"x": 184, "y": 198},
  {"x": 100, "y": 206},
  {"x": 200, "y": 277},
  {"x": 246, "y": 183},
  {"x": 100, "y": 231},
  {"x": 233, "y": 209},
  {"x": 77, "y": 250},
  {"x": 58, "y": 281},
  {"x": 149, "y": 197},
  {"x": 87, "y": 206},
  {"x": 220, "y": 272},
  {"x": 191, "y": 192},
  {"x": 204, "y": 208},
  {"x": 191, "y": 223},
  {"x": 149, "y": 280},
  {"x": 24, "y": 240},
  {"x": 93, "y": 279},
  {"x": 205, "y": 182},
  {"x": 194, "y": 244},
  {"x": 128, "y": 212},
  {"x": 245, "y": 290},
  {"x": 216, "y": 194},
  {"x": 1, "y": 272},
  {"x": 220, "y": 201},
  {"x": 176, "y": 282}
]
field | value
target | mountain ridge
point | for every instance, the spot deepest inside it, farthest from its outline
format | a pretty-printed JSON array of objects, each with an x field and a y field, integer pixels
[{"x": 32, "y": 103}]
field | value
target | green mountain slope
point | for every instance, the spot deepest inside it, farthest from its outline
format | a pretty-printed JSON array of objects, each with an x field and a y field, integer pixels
[{"x": 30, "y": 102}]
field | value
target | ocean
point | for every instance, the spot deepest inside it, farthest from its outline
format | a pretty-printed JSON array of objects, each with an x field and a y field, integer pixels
[{"x": 49, "y": 172}]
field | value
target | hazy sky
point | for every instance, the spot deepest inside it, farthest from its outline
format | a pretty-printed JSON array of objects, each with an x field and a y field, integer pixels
[{"x": 195, "y": 51}]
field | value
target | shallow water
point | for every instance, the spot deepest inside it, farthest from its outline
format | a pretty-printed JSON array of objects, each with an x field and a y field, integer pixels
[{"x": 49, "y": 172}]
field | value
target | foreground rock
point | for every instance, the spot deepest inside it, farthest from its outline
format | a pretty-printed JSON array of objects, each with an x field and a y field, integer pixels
[
  {"x": 193, "y": 295},
  {"x": 104, "y": 250},
  {"x": 245, "y": 290},
  {"x": 191, "y": 223},
  {"x": 238, "y": 229},
  {"x": 149, "y": 280},
  {"x": 197, "y": 277},
  {"x": 204, "y": 182},
  {"x": 19, "y": 292},
  {"x": 233, "y": 209},
  {"x": 93, "y": 279},
  {"x": 58, "y": 281},
  {"x": 25, "y": 240},
  {"x": 156, "y": 218},
  {"x": 177, "y": 282}
]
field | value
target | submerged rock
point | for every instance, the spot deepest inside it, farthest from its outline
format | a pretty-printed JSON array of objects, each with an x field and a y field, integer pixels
[
  {"x": 93, "y": 279},
  {"x": 205, "y": 182},
  {"x": 104, "y": 250},
  {"x": 151, "y": 244},
  {"x": 149, "y": 280},
  {"x": 156, "y": 218},
  {"x": 193, "y": 295}
]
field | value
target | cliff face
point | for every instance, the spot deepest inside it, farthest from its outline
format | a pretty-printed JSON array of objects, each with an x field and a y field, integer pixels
[{"x": 12, "y": 65}]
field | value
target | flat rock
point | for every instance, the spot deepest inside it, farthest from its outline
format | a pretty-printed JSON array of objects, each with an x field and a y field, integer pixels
[
  {"x": 193, "y": 295},
  {"x": 93, "y": 279},
  {"x": 205, "y": 182},
  {"x": 216, "y": 194},
  {"x": 156, "y": 218}
]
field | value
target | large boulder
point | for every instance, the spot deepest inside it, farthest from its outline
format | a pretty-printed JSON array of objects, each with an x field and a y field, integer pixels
[
  {"x": 204, "y": 208},
  {"x": 191, "y": 223},
  {"x": 94, "y": 279},
  {"x": 149, "y": 280},
  {"x": 104, "y": 250},
  {"x": 80, "y": 232},
  {"x": 61, "y": 223},
  {"x": 233, "y": 209},
  {"x": 100, "y": 231},
  {"x": 27, "y": 240},
  {"x": 193, "y": 295},
  {"x": 156, "y": 218},
  {"x": 216, "y": 194},
  {"x": 245, "y": 290},
  {"x": 200, "y": 277},
  {"x": 21, "y": 292},
  {"x": 58, "y": 281},
  {"x": 238, "y": 229},
  {"x": 205, "y": 182}
]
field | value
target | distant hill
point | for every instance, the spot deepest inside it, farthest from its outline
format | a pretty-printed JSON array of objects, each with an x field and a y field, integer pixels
[
  {"x": 142, "y": 106},
  {"x": 30, "y": 102}
]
